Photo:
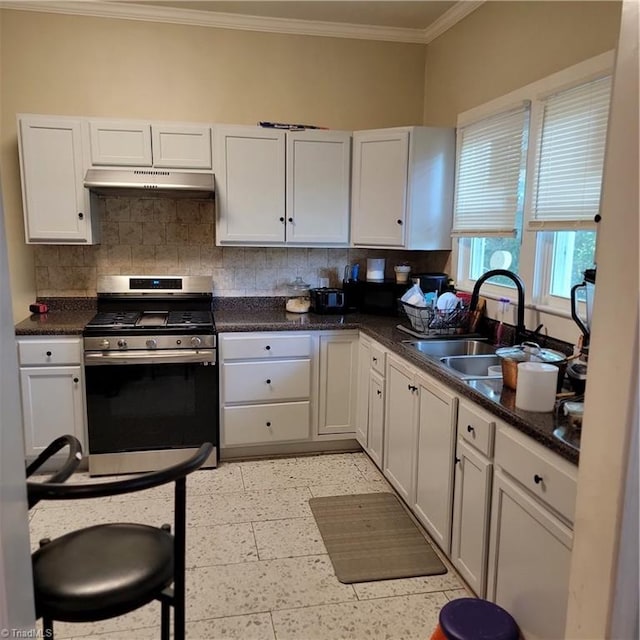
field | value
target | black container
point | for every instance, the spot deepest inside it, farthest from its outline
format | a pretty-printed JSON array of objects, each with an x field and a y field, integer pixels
[
  {"x": 380, "y": 298},
  {"x": 432, "y": 282},
  {"x": 326, "y": 300}
]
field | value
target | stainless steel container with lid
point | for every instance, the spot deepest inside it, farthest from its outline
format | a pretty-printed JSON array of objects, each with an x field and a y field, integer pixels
[{"x": 510, "y": 357}]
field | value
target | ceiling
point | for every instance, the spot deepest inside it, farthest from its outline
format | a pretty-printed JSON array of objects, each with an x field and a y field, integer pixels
[{"x": 419, "y": 21}]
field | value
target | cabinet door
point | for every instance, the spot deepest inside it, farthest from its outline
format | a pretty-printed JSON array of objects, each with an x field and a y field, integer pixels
[
  {"x": 120, "y": 143},
  {"x": 52, "y": 405},
  {"x": 471, "y": 505},
  {"x": 376, "y": 418},
  {"x": 56, "y": 204},
  {"x": 379, "y": 187},
  {"x": 436, "y": 452},
  {"x": 362, "y": 407},
  {"x": 337, "y": 397},
  {"x": 181, "y": 146},
  {"x": 249, "y": 166},
  {"x": 400, "y": 428},
  {"x": 529, "y": 561},
  {"x": 318, "y": 177}
]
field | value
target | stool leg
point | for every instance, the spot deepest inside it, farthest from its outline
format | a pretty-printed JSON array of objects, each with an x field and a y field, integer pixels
[
  {"x": 165, "y": 620},
  {"x": 47, "y": 628}
]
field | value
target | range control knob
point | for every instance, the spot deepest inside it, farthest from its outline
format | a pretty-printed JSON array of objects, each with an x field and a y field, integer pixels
[
  {"x": 122, "y": 344},
  {"x": 152, "y": 343},
  {"x": 104, "y": 344},
  {"x": 196, "y": 341}
]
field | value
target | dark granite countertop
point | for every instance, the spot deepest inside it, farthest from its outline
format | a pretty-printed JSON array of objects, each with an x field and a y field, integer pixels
[{"x": 252, "y": 317}]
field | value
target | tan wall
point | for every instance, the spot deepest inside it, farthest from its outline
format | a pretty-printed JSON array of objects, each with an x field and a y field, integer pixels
[
  {"x": 72, "y": 65},
  {"x": 505, "y": 45}
]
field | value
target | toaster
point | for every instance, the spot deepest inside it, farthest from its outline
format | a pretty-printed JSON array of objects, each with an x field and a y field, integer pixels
[{"x": 327, "y": 300}]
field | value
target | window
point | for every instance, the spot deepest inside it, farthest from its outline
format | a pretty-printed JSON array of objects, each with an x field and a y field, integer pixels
[{"x": 531, "y": 209}]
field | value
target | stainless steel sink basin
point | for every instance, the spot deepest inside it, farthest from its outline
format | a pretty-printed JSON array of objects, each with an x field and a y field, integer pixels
[
  {"x": 472, "y": 366},
  {"x": 444, "y": 348}
]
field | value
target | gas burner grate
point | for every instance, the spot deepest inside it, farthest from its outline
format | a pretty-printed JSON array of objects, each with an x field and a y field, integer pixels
[
  {"x": 189, "y": 318},
  {"x": 114, "y": 319}
]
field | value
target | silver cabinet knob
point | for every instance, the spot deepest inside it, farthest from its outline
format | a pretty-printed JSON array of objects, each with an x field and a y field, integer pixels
[
  {"x": 104, "y": 344},
  {"x": 122, "y": 343},
  {"x": 196, "y": 341},
  {"x": 151, "y": 343}
]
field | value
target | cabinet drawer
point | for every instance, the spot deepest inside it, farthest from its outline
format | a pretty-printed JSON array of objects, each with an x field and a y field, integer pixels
[
  {"x": 266, "y": 381},
  {"x": 377, "y": 359},
  {"x": 265, "y": 423},
  {"x": 547, "y": 476},
  {"x": 476, "y": 427},
  {"x": 55, "y": 352},
  {"x": 243, "y": 347}
]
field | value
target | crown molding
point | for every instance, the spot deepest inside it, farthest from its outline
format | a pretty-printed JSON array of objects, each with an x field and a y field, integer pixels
[
  {"x": 191, "y": 17},
  {"x": 458, "y": 12}
]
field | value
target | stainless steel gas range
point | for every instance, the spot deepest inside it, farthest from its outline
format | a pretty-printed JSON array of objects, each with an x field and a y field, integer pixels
[{"x": 151, "y": 373}]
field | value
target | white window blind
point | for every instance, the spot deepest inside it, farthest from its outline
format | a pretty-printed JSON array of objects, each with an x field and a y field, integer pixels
[
  {"x": 490, "y": 174},
  {"x": 570, "y": 157}
]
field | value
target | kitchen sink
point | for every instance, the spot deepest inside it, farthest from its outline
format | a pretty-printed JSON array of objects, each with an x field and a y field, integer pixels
[
  {"x": 444, "y": 348},
  {"x": 471, "y": 366}
]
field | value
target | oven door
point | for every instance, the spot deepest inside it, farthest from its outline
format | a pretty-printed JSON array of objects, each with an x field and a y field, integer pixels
[{"x": 147, "y": 410}]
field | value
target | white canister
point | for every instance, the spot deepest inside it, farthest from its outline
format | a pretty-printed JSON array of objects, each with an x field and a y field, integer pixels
[
  {"x": 536, "y": 388},
  {"x": 375, "y": 269}
]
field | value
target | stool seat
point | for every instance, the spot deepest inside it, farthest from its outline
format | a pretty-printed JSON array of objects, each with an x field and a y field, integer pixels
[
  {"x": 102, "y": 571},
  {"x": 476, "y": 619}
]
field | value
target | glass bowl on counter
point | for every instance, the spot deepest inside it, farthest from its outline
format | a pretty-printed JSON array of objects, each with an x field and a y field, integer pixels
[{"x": 298, "y": 297}]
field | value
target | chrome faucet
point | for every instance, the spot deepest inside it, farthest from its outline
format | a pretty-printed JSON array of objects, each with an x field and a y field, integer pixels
[{"x": 515, "y": 278}]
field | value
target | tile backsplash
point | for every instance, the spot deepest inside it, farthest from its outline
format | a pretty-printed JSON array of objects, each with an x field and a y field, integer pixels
[{"x": 159, "y": 236}]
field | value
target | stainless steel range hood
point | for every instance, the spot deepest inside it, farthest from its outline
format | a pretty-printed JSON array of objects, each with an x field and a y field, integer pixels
[{"x": 149, "y": 182}]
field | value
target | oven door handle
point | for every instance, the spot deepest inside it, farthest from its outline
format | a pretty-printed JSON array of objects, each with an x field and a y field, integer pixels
[{"x": 169, "y": 356}]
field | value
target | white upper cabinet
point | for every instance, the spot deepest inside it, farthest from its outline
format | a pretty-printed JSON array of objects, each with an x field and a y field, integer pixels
[
  {"x": 120, "y": 143},
  {"x": 181, "y": 146},
  {"x": 249, "y": 166},
  {"x": 132, "y": 143},
  {"x": 53, "y": 162},
  {"x": 402, "y": 188},
  {"x": 275, "y": 187},
  {"x": 318, "y": 183}
]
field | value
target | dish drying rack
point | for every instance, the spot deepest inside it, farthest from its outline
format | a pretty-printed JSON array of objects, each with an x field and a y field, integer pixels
[{"x": 427, "y": 321}]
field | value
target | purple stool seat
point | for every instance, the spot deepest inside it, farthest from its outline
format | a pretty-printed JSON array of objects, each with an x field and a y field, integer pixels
[{"x": 476, "y": 619}]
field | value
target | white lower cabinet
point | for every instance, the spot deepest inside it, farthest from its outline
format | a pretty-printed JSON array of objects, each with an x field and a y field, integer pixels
[
  {"x": 52, "y": 391},
  {"x": 337, "y": 393},
  {"x": 471, "y": 509},
  {"x": 371, "y": 399},
  {"x": 531, "y": 535},
  {"x": 472, "y": 496},
  {"x": 400, "y": 433},
  {"x": 435, "y": 463},
  {"x": 375, "y": 440},
  {"x": 265, "y": 388}
]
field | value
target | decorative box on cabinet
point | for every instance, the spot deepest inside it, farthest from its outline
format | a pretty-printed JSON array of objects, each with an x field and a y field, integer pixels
[
  {"x": 472, "y": 495},
  {"x": 52, "y": 391},
  {"x": 275, "y": 187},
  {"x": 53, "y": 160},
  {"x": 265, "y": 388},
  {"x": 531, "y": 534},
  {"x": 402, "y": 188}
]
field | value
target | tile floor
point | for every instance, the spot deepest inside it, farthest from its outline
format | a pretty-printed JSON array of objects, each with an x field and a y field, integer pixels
[{"x": 257, "y": 568}]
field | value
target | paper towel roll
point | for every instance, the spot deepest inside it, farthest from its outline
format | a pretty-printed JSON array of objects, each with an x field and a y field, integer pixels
[{"x": 536, "y": 388}]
